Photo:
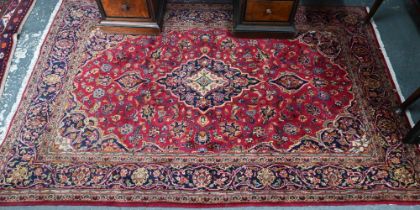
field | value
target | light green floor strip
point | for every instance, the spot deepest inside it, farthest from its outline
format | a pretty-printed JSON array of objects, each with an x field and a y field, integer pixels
[{"x": 27, "y": 46}]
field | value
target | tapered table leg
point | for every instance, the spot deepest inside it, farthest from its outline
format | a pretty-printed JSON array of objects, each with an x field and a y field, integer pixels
[
  {"x": 413, "y": 97},
  {"x": 413, "y": 136},
  {"x": 372, "y": 11}
]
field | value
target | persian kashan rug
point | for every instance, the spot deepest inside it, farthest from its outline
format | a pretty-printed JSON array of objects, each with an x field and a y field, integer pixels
[
  {"x": 196, "y": 116},
  {"x": 12, "y": 15}
]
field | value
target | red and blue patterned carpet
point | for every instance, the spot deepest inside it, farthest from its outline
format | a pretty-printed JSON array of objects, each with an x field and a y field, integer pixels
[{"x": 197, "y": 116}]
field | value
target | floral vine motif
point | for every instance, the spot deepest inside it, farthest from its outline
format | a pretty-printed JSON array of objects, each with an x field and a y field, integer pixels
[
  {"x": 140, "y": 176},
  {"x": 202, "y": 178},
  {"x": 266, "y": 176},
  {"x": 18, "y": 175}
]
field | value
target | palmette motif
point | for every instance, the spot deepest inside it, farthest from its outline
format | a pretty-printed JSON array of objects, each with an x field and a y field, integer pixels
[{"x": 198, "y": 116}]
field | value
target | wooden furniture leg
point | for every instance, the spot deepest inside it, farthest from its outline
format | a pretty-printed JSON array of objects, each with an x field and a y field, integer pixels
[
  {"x": 413, "y": 97},
  {"x": 372, "y": 11},
  {"x": 413, "y": 136}
]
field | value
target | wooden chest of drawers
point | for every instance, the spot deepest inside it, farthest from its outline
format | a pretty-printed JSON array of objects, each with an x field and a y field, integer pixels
[
  {"x": 132, "y": 16},
  {"x": 267, "y": 16},
  {"x": 250, "y": 16}
]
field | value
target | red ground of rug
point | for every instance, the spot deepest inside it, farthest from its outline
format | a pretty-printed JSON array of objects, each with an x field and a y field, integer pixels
[{"x": 211, "y": 92}]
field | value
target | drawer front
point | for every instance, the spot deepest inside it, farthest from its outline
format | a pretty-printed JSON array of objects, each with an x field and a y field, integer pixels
[
  {"x": 126, "y": 8},
  {"x": 268, "y": 10}
]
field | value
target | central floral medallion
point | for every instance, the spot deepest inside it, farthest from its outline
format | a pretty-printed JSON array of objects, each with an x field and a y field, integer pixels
[{"x": 205, "y": 83}]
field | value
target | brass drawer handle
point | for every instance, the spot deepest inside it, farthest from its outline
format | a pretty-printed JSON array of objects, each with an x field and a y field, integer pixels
[
  {"x": 125, "y": 7},
  {"x": 268, "y": 11}
]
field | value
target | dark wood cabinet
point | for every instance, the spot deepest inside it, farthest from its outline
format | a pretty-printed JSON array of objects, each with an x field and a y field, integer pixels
[
  {"x": 264, "y": 16},
  {"x": 132, "y": 16},
  {"x": 250, "y": 16}
]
